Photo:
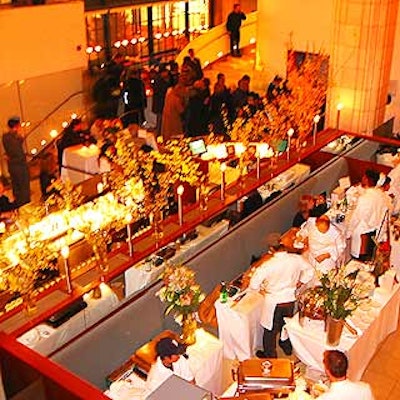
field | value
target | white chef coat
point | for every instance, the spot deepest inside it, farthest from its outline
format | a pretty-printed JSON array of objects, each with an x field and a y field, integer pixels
[
  {"x": 366, "y": 217},
  {"x": 394, "y": 175},
  {"x": 279, "y": 276},
  {"x": 332, "y": 242},
  {"x": 348, "y": 390},
  {"x": 159, "y": 373}
]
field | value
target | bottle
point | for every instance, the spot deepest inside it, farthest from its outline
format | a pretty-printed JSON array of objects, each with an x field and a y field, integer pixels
[{"x": 223, "y": 294}]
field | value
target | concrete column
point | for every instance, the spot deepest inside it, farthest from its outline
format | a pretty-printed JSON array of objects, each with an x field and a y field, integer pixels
[{"x": 363, "y": 33}]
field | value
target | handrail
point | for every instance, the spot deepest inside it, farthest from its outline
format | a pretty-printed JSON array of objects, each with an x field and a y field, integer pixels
[
  {"x": 215, "y": 42},
  {"x": 65, "y": 101}
]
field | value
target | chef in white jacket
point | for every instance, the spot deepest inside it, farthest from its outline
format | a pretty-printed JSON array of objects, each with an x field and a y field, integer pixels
[
  {"x": 326, "y": 243},
  {"x": 170, "y": 361},
  {"x": 277, "y": 279},
  {"x": 336, "y": 363},
  {"x": 368, "y": 215}
]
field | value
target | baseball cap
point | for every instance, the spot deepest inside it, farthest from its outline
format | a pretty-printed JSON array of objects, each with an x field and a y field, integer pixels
[{"x": 167, "y": 347}]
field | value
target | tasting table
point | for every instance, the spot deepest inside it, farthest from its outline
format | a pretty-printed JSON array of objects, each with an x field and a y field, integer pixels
[
  {"x": 83, "y": 162},
  {"x": 142, "y": 274},
  {"x": 292, "y": 176},
  {"x": 309, "y": 344},
  {"x": 239, "y": 324},
  {"x": 45, "y": 339}
]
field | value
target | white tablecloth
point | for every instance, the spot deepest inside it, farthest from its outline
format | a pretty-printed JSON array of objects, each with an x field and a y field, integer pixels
[
  {"x": 294, "y": 175},
  {"x": 82, "y": 158},
  {"x": 309, "y": 345},
  {"x": 239, "y": 325},
  {"x": 45, "y": 339},
  {"x": 205, "y": 360},
  {"x": 142, "y": 274}
]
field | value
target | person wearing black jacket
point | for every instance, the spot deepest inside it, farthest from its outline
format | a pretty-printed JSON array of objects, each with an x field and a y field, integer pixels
[
  {"x": 134, "y": 98},
  {"x": 160, "y": 86},
  {"x": 233, "y": 24}
]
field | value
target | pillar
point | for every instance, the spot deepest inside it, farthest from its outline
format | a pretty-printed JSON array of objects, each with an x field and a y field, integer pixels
[{"x": 362, "y": 42}]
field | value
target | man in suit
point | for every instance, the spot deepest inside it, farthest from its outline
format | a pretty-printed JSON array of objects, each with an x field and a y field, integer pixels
[
  {"x": 195, "y": 64},
  {"x": 233, "y": 24},
  {"x": 13, "y": 143}
]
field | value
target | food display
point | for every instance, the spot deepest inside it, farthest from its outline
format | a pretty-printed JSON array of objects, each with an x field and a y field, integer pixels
[{"x": 311, "y": 304}]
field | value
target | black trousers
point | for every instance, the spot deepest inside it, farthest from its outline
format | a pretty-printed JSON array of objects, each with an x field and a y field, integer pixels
[
  {"x": 235, "y": 39},
  {"x": 20, "y": 182},
  {"x": 269, "y": 338}
]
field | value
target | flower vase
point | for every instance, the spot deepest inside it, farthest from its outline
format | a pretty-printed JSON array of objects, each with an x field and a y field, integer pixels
[
  {"x": 29, "y": 303},
  {"x": 158, "y": 233},
  {"x": 334, "y": 328},
  {"x": 189, "y": 326}
]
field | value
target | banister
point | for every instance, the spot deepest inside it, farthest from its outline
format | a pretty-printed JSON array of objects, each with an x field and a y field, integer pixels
[{"x": 65, "y": 101}]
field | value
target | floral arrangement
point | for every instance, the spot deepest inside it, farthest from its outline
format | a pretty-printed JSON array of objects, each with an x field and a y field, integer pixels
[
  {"x": 181, "y": 294},
  {"x": 343, "y": 291}
]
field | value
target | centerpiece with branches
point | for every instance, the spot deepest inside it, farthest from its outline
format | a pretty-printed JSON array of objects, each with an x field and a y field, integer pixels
[{"x": 343, "y": 291}]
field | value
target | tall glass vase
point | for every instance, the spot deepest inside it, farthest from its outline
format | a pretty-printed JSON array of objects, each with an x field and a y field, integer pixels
[
  {"x": 334, "y": 328},
  {"x": 189, "y": 326},
  {"x": 29, "y": 303}
]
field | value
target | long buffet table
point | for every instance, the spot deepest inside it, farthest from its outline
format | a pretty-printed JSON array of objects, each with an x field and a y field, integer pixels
[{"x": 309, "y": 344}]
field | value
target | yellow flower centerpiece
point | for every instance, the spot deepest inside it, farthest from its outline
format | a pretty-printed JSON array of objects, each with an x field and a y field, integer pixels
[{"x": 182, "y": 296}]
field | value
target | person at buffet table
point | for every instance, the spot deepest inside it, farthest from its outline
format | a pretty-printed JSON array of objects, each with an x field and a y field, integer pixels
[
  {"x": 277, "y": 279},
  {"x": 170, "y": 360},
  {"x": 160, "y": 86},
  {"x": 75, "y": 133},
  {"x": 367, "y": 218},
  {"x": 326, "y": 244},
  {"x": 306, "y": 204},
  {"x": 16, "y": 161},
  {"x": 336, "y": 363}
]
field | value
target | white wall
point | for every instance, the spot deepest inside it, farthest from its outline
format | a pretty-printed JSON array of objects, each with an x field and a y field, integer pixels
[
  {"x": 303, "y": 24},
  {"x": 41, "y": 40}
]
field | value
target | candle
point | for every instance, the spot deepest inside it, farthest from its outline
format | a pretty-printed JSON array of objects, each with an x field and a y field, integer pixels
[
  {"x": 339, "y": 108},
  {"x": 258, "y": 165},
  {"x": 316, "y": 120},
  {"x": 65, "y": 255},
  {"x": 223, "y": 169},
  {"x": 290, "y": 133},
  {"x": 180, "y": 191},
  {"x": 128, "y": 220}
]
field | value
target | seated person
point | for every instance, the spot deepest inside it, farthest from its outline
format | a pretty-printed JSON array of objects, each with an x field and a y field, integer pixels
[
  {"x": 169, "y": 361},
  {"x": 320, "y": 207},
  {"x": 336, "y": 363},
  {"x": 6, "y": 204},
  {"x": 306, "y": 204},
  {"x": 326, "y": 244}
]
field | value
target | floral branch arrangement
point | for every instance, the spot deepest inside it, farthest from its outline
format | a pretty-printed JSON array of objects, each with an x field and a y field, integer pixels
[
  {"x": 343, "y": 291},
  {"x": 180, "y": 293}
]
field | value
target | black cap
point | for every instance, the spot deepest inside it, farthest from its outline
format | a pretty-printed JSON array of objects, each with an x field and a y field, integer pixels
[
  {"x": 13, "y": 121},
  {"x": 167, "y": 347}
]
